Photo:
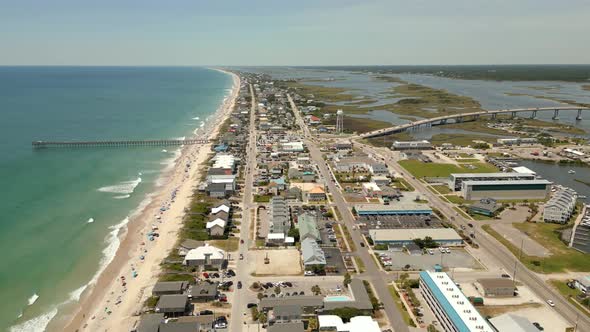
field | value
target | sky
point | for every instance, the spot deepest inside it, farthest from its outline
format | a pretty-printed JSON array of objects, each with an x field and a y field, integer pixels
[{"x": 298, "y": 32}]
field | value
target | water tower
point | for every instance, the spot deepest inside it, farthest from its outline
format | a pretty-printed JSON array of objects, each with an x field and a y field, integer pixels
[{"x": 339, "y": 121}]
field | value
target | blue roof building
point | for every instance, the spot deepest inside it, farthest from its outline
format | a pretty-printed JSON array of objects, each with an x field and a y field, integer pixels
[{"x": 450, "y": 306}]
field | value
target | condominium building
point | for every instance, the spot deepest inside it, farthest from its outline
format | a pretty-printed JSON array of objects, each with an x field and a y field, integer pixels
[
  {"x": 561, "y": 206},
  {"x": 456, "y": 179},
  {"x": 450, "y": 306}
]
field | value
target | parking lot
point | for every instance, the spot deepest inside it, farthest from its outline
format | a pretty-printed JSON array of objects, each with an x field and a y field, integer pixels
[
  {"x": 334, "y": 258},
  {"x": 458, "y": 259},
  {"x": 327, "y": 233}
]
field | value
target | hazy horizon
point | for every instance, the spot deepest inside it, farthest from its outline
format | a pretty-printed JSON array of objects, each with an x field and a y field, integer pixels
[{"x": 305, "y": 33}]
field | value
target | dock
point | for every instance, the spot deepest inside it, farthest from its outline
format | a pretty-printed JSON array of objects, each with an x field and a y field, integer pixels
[{"x": 116, "y": 144}]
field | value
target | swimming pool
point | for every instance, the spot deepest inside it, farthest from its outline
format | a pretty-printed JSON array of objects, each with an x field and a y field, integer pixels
[{"x": 337, "y": 298}]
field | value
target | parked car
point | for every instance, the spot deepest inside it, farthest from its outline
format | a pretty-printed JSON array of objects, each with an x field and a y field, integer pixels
[
  {"x": 205, "y": 274},
  {"x": 538, "y": 326},
  {"x": 362, "y": 244},
  {"x": 308, "y": 273},
  {"x": 205, "y": 312},
  {"x": 504, "y": 275},
  {"x": 239, "y": 285},
  {"x": 251, "y": 305}
]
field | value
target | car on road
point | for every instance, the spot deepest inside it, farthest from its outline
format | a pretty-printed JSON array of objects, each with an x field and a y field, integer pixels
[
  {"x": 538, "y": 326},
  {"x": 362, "y": 244},
  {"x": 308, "y": 273},
  {"x": 239, "y": 285},
  {"x": 430, "y": 252},
  {"x": 551, "y": 303},
  {"x": 241, "y": 256},
  {"x": 470, "y": 224}
]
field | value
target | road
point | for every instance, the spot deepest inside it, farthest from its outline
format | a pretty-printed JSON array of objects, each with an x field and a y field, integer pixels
[
  {"x": 373, "y": 274},
  {"x": 494, "y": 248},
  {"x": 236, "y": 318}
]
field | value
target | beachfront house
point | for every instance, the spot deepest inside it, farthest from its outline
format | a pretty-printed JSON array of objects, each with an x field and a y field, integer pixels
[
  {"x": 169, "y": 288},
  {"x": 187, "y": 245},
  {"x": 206, "y": 256},
  {"x": 216, "y": 227},
  {"x": 173, "y": 305},
  {"x": 203, "y": 292}
]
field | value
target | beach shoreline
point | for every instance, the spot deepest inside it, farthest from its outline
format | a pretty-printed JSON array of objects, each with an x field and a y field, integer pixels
[{"x": 108, "y": 306}]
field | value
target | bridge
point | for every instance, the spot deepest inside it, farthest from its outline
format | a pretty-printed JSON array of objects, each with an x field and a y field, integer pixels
[
  {"x": 116, "y": 144},
  {"x": 472, "y": 116}
]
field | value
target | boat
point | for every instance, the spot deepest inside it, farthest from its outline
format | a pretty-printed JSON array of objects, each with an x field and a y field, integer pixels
[
  {"x": 571, "y": 171},
  {"x": 582, "y": 197}
]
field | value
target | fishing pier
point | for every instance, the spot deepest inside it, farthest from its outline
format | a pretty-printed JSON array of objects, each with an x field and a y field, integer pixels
[{"x": 116, "y": 144}]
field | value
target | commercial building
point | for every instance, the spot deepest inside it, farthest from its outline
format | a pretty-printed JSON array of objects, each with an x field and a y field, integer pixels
[
  {"x": 411, "y": 145},
  {"x": 512, "y": 323},
  {"x": 497, "y": 287},
  {"x": 316, "y": 194},
  {"x": 456, "y": 179},
  {"x": 450, "y": 306},
  {"x": 517, "y": 141},
  {"x": 442, "y": 236},
  {"x": 371, "y": 189},
  {"x": 513, "y": 189},
  {"x": 583, "y": 284},
  {"x": 333, "y": 323},
  {"x": 561, "y": 206},
  {"x": 395, "y": 208},
  {"x": 378, "y": 169},
  {"x": 485, "y": 206}
]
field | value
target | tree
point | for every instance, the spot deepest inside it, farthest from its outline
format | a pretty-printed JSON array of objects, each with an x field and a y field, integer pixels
[
  {"x": 262, "y": 318},
  {"x": 316, "y": 290},
  {"x": 294, "y": 233},
  {"x": 346, "y": 313},
  {"x": 347, "y": 279},
  {"x": 260, "y": 296},
  {"x": 403, "y": 277},
  {"x": 277, "y": 290},
  {"x": 312, "y": 323}
]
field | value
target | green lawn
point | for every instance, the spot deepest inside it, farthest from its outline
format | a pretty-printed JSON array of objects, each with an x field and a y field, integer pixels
[
  {"x": 360, "y": 264},
  {"x": 420, "y": 169},
  {"x": 231, "y": 244},
  {"x": 456, "y": 199},
  {"x": 442, "y": 189},
  {"x": 262, "y": 198},
  {"x": 563, "y": 258},
  {"x": 569, "y": 294},
  {"x": 400, "y": 306}
]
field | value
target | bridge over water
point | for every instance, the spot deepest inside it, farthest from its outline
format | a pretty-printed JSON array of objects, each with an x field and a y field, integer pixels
[
  {"x": 122, "y": 143},
  {"x": 472, "y": 116}
]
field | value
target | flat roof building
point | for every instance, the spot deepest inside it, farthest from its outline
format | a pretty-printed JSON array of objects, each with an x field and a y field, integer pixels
[
  {"x": 395, "y": 208},
  {"x": 512, "y": 323},
  {"x": 356, "y": 324},
  {"x": 450, "y": 306},
  {"x": 497, "y": 287},
  {"x": 511, "y": 189},
  {"x": 442, "y": 236},
  {"x": 411, "y": 145},
  {"x": 456, "y": 179}
]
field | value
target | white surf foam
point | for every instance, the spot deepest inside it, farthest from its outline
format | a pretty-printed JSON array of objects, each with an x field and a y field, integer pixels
[
  {"x": 90, "y": 221},
  {"x": 125, "y": 187},
  {"x": 121, "y": 196},
  {"x": 37, "y": 324},
  {"x": 33, "y": 299},
  {"x": 75, "y": 294},
  {"x": 164, "y": 150},
  {"x": 196, "y": 118}
]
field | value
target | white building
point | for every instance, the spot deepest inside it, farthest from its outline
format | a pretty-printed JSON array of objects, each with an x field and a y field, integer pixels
[
  {"x": 561, "y": 206},
  {"x": 292, "y": 147},
  {"x": 450, "y": 306},
  {"x": 411, "y": 145},
  {"x": 223, "y": 160},
  {"x": 204, "y": 256},
  {"x": 356, "y": 324},
  {"x": 517, "y": 141}
]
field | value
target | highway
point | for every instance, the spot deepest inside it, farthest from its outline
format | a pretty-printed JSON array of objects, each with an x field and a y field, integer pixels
[
  {"x": 238, "y": 305},
  {"x": 494, "y": 248},
  {"x": 400, "y": 128},
  {"x": 373, "y": 274}
]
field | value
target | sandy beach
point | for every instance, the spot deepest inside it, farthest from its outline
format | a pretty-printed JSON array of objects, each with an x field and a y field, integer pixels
[{"x": 108, "y": 305}]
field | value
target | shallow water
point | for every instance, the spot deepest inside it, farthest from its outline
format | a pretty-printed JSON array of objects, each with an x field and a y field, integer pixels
[{"x": 62, "y": 208}]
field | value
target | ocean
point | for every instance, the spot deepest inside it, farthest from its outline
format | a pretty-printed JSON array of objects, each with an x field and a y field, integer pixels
[{"x": 61, "y": 209}]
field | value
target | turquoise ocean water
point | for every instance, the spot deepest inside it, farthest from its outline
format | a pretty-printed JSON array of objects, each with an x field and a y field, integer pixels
[{"x": 60, "y": 209}]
